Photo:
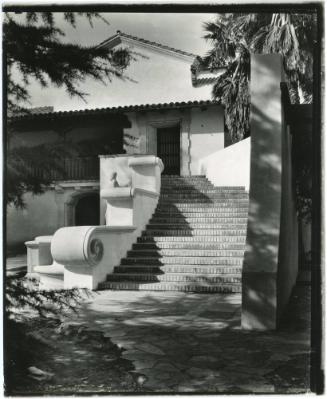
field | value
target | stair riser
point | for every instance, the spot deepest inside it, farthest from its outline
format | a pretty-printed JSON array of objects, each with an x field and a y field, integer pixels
[
  {"x": 208, "y": 187},
  {"x": 176, "y": 278},
  {"x": 219, "y": 213},
  {"x": 191, "y": 246},
  {"x": 197, "y": 221},
  {"x": 232, "y": 261},
  {"x": 197, "y": 227},
  {"x": 193, "y": 233},
  {"x": 203, "y": 200},
  {"x": 199, "y": 195},
  {"x": 197, "y": 190},
  {"x": 225, "y": 270},
  {"x": 204, "y": 253},
  {"x": 173, "y": 178},
  {"x": 169, "y": 287},
  {"x": 212, "y": 206},
  {"x": 191, "y": 187},
  {"x": 192, "y": 240}
]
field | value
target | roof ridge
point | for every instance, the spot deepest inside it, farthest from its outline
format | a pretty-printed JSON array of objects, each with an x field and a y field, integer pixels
[{"x": 145, "y": 41}]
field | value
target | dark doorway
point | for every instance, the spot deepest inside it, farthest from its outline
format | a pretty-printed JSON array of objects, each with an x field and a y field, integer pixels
[
  {"x": 168, "y": 149},
  {"x": 87, "y": 210}
]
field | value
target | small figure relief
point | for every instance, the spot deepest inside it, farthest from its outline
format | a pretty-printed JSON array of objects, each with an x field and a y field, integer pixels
[
  {"x": 121, "y": 180},
  {"x": 113, "y": 180}
]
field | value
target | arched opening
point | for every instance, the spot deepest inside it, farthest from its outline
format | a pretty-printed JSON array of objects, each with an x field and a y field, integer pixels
[{"x": 87, "y": 210}]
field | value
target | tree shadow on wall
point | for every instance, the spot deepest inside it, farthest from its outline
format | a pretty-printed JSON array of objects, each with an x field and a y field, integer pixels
[{"x": 270, "y": 238}]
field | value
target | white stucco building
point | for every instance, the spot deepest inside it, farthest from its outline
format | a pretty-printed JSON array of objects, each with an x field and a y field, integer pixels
[
  {"x": 113, "y": 221},
  {"x": 161, "y": 107}
]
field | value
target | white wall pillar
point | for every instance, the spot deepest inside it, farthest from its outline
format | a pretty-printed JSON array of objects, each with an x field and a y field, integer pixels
[{"x": 259, "y": 279}]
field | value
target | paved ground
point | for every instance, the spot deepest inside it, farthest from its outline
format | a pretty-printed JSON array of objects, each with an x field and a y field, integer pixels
[{"x": 182, "y": 342}]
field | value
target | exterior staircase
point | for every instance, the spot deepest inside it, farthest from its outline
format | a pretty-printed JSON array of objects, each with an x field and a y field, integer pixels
[{"x": 195, "y": 241}]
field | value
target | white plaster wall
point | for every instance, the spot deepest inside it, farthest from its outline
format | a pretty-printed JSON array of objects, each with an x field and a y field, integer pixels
[
  {"x": 43, "y": 215},
  {"x": 202, "y": 133},
  {"x": 152, "y": 78},
  {"x": 40, "y": 217},
  {"x": 136, "y": 145},
  {"x": 206, "y": 134},
  {"x": 229, "y": 166}
]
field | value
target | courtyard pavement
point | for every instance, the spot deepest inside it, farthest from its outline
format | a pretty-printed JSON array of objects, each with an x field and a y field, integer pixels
[
  {"x": 184, "y": 342},
  {"x": 181, "y": 342}
]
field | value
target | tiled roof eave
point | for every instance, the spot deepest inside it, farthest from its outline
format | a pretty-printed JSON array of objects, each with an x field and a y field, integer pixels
[
  {"x": 124, "y": 36},
  {"x": 116, "y": 110}
]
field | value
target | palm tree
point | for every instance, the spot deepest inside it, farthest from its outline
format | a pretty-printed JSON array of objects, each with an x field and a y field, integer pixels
[{"x": 235, "y": 36}]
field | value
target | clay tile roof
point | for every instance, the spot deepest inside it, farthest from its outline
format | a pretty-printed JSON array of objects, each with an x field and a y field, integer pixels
[
  {"x": 149, "y": 42},
  {"x": 115, "y": 110}
]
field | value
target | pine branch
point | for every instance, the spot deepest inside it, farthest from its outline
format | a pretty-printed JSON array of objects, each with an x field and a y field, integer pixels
[{"x": 34, "y": 48}]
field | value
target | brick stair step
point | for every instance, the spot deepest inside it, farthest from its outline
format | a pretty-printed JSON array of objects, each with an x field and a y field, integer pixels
[
  {"x": 191, "y": 260},
  {"x": 188, "y": 184},
  {"x": 192, "y": 226},
  {"x": 207, "y": 207},
  {"x": 218, "y": 203},
  {"x": 207, "y": 188},
  {"x": 194, "y": 242},
  {"x": 188, "y": 188},
  {"x": 208, "y": 269},
  {"x": 194, "y": 213},
  {"x": 189, "y": 245},
  {"x": 184, "y": 287},
  {"x": 194, "y": 233},
  {"x": 174, "y": 177},
  {"x": 207, "y": 212},
  {"x": 189, "y": 228},
  {"x": 185, "y": 186},
  {"x": 224, "y": 213},
  {"x": 162, "y": 253},
  {"x": 190, "y": 239},
  {"x": 200, "y": 194},
  {"x": 219, "y": 197},
  {"x": 185, "y": 277},
  {"x": 199, "y": 197},
  {"x": 196, "y": 221},
  {"x": 209, "y": 193}
]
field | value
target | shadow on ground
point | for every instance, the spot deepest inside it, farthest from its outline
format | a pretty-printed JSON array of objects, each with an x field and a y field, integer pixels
[
  {"x": 157, "y": 342},
  {"x": 193, "y": 342}
]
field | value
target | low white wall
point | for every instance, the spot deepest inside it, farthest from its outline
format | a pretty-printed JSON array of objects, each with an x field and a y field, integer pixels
[
  {"x": 229, "y": 166},
  {"x": 40, "y": 217},
  {"x": 93, "y": 251},
  {"x": 117, "y": 243}
]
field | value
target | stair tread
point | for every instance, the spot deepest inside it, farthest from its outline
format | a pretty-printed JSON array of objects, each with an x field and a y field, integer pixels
[
  {"x": 170, "y": 286},
  {"x": 159, "y": 282},
  {"x": 176, "y": 273},
  {"x": 180, "y": 269}
]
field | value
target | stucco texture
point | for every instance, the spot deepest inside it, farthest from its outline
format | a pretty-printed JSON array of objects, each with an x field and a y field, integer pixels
[{"x": 270, "y": 262}]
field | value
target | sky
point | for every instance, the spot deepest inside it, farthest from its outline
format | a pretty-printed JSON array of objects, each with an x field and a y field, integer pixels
[{"x": 179, "y": 30}]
